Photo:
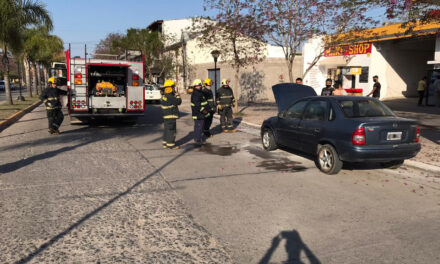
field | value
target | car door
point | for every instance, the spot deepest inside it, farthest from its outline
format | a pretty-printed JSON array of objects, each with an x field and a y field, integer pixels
[
  {"x": 288, "y": 125},
  {"x": 312, "y": 124}
]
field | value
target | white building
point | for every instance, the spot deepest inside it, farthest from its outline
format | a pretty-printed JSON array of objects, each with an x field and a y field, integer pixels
[
  {"x": 399, "y": 59},
  {"x": 255, "y": 81}
]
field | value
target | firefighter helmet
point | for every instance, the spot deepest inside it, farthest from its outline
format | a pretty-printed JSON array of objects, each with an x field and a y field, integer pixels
[
  {"x": 197, "y": 82},
  {"x": 207, "y": 82},
  {"x": 168, "y": 83},
  {"x": 225, "y": 82}
]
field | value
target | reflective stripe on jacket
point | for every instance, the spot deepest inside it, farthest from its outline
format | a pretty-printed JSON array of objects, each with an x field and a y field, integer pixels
[
  {"x": 169, "y": 104},
  {"x": 225, "y": 96},
  {"x": 51, "y": 97},
  {"x": 207, "y": 92},
  {"x": 199, "y": 105}
]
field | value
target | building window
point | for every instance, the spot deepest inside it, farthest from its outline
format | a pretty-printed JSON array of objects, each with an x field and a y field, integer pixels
[{"x": 363, "y": 78}]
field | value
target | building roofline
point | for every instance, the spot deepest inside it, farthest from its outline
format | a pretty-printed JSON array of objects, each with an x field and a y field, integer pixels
[{"x": 388, "y": 32}]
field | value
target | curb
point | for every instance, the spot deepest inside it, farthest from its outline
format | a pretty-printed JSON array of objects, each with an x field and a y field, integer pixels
[
  {"x": 422, "y": 166},
  {"x": 12, "y": 119}
]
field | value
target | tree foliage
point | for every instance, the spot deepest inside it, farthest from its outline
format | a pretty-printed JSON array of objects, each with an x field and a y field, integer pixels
[
  {"x": 411, "y": 11},
  {"x": 152, "y": 45},
  {"x": 15, "y": 17},
  {"x": 235, "y": 32},
  {"x": 290, "y": 23}
]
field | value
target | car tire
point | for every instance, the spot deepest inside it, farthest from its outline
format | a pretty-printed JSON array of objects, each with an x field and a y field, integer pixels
[
  {"x": 394, "y": 164},
  {"x": 328, "y": 159},
  {"x": 268, "y": 140}
]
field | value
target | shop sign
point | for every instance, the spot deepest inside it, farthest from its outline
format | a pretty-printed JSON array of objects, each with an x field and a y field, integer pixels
[
  {"x": 355, "y": 71},
  {"x": 348, "y": 50}
]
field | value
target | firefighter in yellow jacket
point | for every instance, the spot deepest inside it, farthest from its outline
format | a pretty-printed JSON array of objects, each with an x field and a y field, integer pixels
[{"x": 170, "y": 101}]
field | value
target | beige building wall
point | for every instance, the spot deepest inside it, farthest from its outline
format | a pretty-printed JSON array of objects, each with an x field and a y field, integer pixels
[{"x": 255, "y": 81}]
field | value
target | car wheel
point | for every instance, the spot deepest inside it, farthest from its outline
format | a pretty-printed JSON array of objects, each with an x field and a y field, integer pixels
[
  {"x": 328, "y": 160},
  {"x": 268, "y": 140},
  {"x": 395, "y": 164}
]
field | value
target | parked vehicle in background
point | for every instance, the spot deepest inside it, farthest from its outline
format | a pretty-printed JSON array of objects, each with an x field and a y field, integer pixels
[
  {"x": 106, "y": 88},
  {"x": 59, "y": 71},
  {"x": 338, "y": 129},
  {"x": 152, "y": 93},
  {"x": 2, "y": 85}
]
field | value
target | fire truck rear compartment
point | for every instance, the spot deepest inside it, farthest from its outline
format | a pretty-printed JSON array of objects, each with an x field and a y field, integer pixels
[{"x": 115, "y": 75}]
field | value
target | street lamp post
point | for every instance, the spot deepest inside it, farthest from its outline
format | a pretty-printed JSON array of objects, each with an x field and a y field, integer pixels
[{"x": 215, "y": 54}]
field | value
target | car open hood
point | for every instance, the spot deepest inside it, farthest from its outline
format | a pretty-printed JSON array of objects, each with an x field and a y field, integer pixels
[{"x": 287, "y": 93}]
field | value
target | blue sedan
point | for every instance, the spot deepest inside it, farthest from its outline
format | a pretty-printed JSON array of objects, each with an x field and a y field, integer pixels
[{"x": 339, "y": 129}]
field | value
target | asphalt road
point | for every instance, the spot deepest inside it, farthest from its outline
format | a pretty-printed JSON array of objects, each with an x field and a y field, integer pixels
[{"x": 110, "y": 193}]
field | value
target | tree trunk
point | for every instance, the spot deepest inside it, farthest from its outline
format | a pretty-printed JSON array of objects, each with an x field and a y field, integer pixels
[
  {"x": 45, "y": 75},
  {"x": 39, "y": 78},
  {"x": 5, "y": 62},
  {"x": 34, "y": 78},
  {"x": 290, "y": 68},
  {"x": 236, "y": 94},
  {"x": 27, "y": 76}
]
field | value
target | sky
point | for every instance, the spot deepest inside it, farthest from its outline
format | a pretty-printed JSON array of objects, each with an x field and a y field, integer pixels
[{"x": 82, "y": 22}]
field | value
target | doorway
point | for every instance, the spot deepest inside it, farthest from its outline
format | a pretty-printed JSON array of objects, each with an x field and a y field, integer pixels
[{"x": 211, "y": 75}]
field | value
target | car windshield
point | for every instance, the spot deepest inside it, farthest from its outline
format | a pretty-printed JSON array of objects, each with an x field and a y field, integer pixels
[
  {"x": 364, "y": 108},
  {"x": 151, "y": 87}
]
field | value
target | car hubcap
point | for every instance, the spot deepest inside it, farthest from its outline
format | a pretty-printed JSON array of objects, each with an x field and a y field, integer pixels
[
  {"x": 326, "y": 159},
  {"x": 266, "y": 139}
]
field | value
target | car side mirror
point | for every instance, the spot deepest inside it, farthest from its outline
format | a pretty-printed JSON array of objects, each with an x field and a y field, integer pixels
[{"x": 282, "y": 114}]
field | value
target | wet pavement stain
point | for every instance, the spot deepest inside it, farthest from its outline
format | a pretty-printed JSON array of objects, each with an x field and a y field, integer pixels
[
  {"x": 219, "y": 150},
  {"x": 282, "y": 165},
  {"x": 273, "y": 161}
]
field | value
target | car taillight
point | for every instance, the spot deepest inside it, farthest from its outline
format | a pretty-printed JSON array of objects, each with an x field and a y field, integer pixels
[
  {"x": 358, "y": 137},
  {"x": 417, "y": 139}
]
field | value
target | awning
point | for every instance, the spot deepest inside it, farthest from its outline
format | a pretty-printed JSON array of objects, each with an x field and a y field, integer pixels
[{"x": 334, "y": 61}]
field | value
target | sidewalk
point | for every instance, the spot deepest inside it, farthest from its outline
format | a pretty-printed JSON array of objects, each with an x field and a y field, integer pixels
[{"x": 427, "y": 117}]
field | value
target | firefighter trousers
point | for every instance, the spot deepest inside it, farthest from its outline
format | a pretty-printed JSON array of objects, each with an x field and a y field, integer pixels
[
  {"x": 226, "y": 118},
  {"x": 169, "y": 132},
  {"x": 207, "y": 125},
  {"x": 198, "y": 130},
  {"x": 55, "y": 118}
]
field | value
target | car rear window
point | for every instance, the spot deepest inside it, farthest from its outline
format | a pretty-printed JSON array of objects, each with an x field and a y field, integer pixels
[
  {"x": 151, "y": 88},
  {"x": 364, "y": 108}
]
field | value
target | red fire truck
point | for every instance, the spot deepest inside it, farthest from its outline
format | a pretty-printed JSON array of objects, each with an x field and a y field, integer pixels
[{"x": 105, "y": 88}]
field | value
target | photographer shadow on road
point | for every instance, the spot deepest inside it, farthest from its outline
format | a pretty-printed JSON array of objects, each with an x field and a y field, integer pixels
[{"x": 294, "y": 246}]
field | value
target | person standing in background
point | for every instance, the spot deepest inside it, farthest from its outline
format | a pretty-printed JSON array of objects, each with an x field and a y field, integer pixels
[
  {"x": 327, "y": 90},
  {"x": 421, "y": 88},
  {"x": 376, "y": 88},
  {"x": 338, "y": 89},
  {"x": 207, "y": 92}
]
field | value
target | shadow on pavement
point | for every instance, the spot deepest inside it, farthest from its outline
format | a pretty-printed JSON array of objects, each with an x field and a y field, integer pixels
[
  {"x": 9, "y": 167},
  {"x": 294, "y": 246}
]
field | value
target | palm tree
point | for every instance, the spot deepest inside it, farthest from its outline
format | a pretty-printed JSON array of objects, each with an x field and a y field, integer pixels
[
  {"x": 15, "y": 16},
  {"x": 40, "y": 49}
]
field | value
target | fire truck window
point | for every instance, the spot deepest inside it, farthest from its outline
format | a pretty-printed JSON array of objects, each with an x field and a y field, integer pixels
[{"x": 363, "y": 78}]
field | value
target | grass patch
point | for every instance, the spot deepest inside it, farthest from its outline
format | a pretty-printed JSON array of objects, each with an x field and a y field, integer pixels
[{"x": 7, "y": 110}]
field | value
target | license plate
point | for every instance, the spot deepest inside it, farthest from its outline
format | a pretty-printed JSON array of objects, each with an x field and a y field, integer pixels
[{"x": 394, "y": 136}]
